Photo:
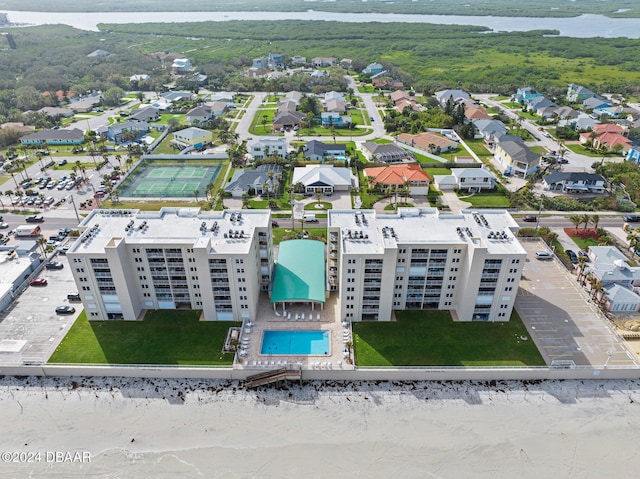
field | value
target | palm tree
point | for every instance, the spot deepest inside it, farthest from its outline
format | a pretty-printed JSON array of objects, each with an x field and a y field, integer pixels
[
  {"x": 576, "y": 220},
  {"x": 196, "y": 192},
  {"x": 585, "y": 218},
  {"x": 42, "y": 242},
  {"x": 9, "y": 193},
  {"x": 582, "y": 263},
  {"x": 595, "y": 219}
]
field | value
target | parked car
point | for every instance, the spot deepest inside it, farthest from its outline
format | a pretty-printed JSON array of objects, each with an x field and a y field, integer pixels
[
  {"x": 563, "y": 161},
  {"x": 34, "y": 219},
  {"x": 4, "y": 226},
  {"x": 529, "y": 219},
  {"x": 65, "y": 310},
  {"x": 38, "y": 282},
  {"x": 62, "y": 162},
  {"x": 573, "y": 257},
  {"x": 632, "y": 218},
  {"x": 99, "y": 194},
  {"x": 54, "y": 265},
  {"x": 52, "y": 184},
  {"x": 75, "y": 297},
  {"x": 543, "y": 255},
  {"x": 49, "y": 200}
]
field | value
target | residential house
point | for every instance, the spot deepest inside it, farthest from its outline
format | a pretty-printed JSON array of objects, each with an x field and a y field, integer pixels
[
  {"x": 490, "y": 130},
  {"x": 174, "y": 96},
  {"x": 475, "y": 113},
  {"x": 578, "y": 93},
  {"x": 161, "y": 104},
  {"x": 267, "y": 146},
  {"x": 223, "y": 96},
  {"x": 566, "y": 113},
  {"x": 199, "y": 115},
  {"x": 316, "y": 150},
  {"x": 261, "y": 63},
  {"x": 298, "y": 60},
  {"x": 387, "y": 153},
  {"x": 138, "y": 78},
  {"x": 539, "y": 104},
  {"x": 582, "y": 122},
  {"x": 443, "y": 96},
  {"x": 387, "y": 83},
  {"x": 287, "y": 120},
  {"x": 18, "y": 126},
  {"x": 192, "y": 137},
  {"x": 128, "y": 131},
  {"x": 634, "y": 154},
  {"x": 595, "y": 102},
  {"x": 85, "y": 104},
  {"x": 335, "y": 105},
  {"x": 52, "y": 112},
  {"x": 334, "y": 95},
  {"x": 321, "y": 62},
  {"x": 608, "y": 136},
  {"x": 613, "y": 111},
  {"x": 334, "y": 119},
  {"x": 516, "y": 158},
  {"x": 322, "y": 178},
  {"x": 471, "y": 179},
  {"x": 411, "y": 104},
  {"x": 147, "y": 114},
  {"x": 574, "y": 182},
  {"x": 396, "y": 176},
  {"x": 398, "y": 95},
  {"x": 526, "y": 93},
  {"x": 346, "y": 63},
  {"x": 181, "y": 66},
  {"x": 372, "y": 69},
  {"x": 264, "y": 179},
  {"x": 428, "y": 141},
  {"x": 611, "y": 267},
  {"x": 47, "y": 136},
  {"x": 276, "y": 60}
]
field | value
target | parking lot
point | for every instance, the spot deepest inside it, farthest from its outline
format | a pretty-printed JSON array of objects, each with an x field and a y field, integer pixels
[
  {"x": 30, "y": 329},
  {"x": 561, "y": 318}
]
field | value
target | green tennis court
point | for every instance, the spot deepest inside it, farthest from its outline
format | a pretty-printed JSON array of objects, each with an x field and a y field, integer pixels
[{"x": 150, "y": 180}]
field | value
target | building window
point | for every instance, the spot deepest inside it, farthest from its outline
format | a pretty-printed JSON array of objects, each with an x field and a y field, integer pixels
[
  {"x": 86, "y": 288},
  {"x": 515, "y": 261},
  {"x": 239, "y": 261},
  {"x": 508, "y": 288}
]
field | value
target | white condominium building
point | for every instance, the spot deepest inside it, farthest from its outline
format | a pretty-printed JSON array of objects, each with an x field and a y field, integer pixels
[
  {"x": 469, "y": 263},
  {"x": 128, "y": 261}
]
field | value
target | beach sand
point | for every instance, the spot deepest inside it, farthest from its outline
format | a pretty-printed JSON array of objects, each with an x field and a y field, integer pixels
[{"x": 138, "y": 428}]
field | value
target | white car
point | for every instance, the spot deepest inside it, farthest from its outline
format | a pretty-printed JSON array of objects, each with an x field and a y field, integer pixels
[{"x": 543, "y": 255}]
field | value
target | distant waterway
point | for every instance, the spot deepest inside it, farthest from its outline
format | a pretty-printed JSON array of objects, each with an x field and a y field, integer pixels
[{"x": 584, "y": 26}]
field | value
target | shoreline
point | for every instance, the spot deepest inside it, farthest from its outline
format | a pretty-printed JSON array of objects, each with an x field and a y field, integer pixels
[
  {"x": 196, "y": 428},
  {"x": 586, "y": 25}
]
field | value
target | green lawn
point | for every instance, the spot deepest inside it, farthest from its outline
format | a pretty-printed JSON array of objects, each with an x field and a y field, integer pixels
[
  {"x": 284, "y": 232},
  {"x": 164, "y": 337},
  {"x": 584, "y": 243},
  {"x": 420, "y": 338},
  {"x": 486, "y": 199}
]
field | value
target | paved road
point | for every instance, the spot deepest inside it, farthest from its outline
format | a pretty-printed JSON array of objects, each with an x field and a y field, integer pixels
[{"x": 576, "y": 162}]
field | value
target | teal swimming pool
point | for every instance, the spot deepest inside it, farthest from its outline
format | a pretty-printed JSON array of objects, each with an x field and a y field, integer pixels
[{"x": 312, "y": 343}]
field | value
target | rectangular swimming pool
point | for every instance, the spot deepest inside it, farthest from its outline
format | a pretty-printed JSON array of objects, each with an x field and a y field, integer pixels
[{"x": 312, "y": 343}]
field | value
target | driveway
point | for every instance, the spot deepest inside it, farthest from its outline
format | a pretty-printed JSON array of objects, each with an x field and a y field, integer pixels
[{"x": 565, "y": 324}]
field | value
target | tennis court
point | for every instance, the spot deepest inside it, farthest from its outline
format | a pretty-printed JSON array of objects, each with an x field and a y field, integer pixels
[{"x": 150, "y": 180}]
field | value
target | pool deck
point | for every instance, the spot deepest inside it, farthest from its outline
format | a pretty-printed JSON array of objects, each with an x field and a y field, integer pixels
[{"x": 267, "y": 320}]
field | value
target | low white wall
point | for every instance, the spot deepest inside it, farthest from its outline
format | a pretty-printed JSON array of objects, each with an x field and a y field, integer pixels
[{"x": 362, "y": 374}]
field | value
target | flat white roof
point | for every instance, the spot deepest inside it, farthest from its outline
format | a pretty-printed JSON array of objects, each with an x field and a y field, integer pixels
[
  {"x": 491, "y": 229},
  {"x": 172, "y": 226}
]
